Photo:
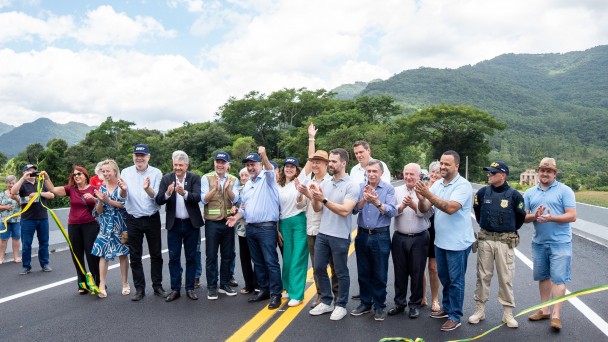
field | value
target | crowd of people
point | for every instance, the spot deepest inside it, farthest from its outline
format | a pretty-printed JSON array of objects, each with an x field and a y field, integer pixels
[{"x": 302, "y": 211}]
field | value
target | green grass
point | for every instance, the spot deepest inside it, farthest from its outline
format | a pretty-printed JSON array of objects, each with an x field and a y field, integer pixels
[{"x": 599, "y": 198}]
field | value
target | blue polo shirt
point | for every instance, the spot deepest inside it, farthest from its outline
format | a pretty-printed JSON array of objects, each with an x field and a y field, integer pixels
[
  {"x": 454, "y": 232},
  {"x": 556, "y": 198},
  {"x": 261, "y": 198},
  {"x": 370, "y": 217}
]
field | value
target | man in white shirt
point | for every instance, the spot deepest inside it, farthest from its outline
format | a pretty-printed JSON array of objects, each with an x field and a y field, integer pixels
[{"x": 363, "y": 153}]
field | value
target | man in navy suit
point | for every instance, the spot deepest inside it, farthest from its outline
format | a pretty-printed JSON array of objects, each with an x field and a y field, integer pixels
[{"x": 181, "y": 191}]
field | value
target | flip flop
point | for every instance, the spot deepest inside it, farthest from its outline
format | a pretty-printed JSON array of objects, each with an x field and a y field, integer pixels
[
  {"x": 435, "y": 307},
  {"x": 126, "y": 291}
]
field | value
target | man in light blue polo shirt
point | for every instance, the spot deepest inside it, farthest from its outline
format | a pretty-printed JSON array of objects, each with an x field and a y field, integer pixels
[
  {"x": 453, "y": 200},
  {"x": 260, "y": 199},
  {"x": 551, "y": 205}
]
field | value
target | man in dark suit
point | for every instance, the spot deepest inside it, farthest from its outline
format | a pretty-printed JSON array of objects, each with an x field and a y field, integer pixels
[{"x": 181, "y": 191}]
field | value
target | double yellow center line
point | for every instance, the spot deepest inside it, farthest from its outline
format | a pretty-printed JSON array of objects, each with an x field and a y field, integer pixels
[{"x": 286, "y": 317}]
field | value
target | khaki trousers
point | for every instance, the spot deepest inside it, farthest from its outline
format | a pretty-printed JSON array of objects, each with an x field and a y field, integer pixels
[{"x": 490, "y": 253}]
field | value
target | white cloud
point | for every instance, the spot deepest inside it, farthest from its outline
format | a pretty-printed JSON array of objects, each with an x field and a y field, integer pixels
[
  {"x": 5, "y": 3},
  {"x": 17, "y": 26}
]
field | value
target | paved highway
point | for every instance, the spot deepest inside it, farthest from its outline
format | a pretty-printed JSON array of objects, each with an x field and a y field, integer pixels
[{"x": 46, "y": 306}]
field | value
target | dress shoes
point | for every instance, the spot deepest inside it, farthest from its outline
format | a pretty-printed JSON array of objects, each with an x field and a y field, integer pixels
[
  {"x": 191, "y": 294},
  {"x": 259, "y": 297},
  {"x": 159, "y": 291},
  {"x": 139, "y": 295},
  {"x": 275, "y": 302},
  {"x": 414, "y": 313},
  {"x": 172, "y": 296},
  {"x": 396, "y": 310}
]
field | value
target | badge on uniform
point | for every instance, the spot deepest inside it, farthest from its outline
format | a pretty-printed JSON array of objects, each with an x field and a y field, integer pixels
[{"x": 504, "y": 203}]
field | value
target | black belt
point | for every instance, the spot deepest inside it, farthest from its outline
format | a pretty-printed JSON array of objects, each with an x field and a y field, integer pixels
[
  {"x": 264, "y": 224},
  {"x": 142, "y": 217},
  {"x": 410, "y": 235},
  {"x": 182, "y": 220},
  {"x": 373, "y": 231}
]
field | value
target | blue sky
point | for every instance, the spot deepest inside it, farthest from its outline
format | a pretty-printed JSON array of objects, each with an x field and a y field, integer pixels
[{"x": 160, "y": 63}]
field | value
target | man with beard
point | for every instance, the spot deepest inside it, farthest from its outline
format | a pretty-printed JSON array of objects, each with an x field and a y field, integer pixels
[
  {"x": 336, "y": 199},
  {"x": 139, "y": 186},
  {"x": 452, "y": 200},
  {"x": 180, "y": 191},
  {"x": 551, "y": 205}
]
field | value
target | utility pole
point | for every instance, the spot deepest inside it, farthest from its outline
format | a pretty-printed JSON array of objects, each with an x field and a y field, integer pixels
[{"x": 466, "y": 167}]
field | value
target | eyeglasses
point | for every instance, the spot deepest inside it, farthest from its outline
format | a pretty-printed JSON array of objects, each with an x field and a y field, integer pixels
[{"x": 77, "y": 174}]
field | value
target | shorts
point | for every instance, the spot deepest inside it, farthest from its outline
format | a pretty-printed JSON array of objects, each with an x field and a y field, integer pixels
[
  {"x": 552, "y": 261},
  {"x": 14, "y": 231}
]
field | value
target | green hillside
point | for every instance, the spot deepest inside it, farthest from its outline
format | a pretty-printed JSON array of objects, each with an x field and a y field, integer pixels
[{"x": 41, "y": 131}]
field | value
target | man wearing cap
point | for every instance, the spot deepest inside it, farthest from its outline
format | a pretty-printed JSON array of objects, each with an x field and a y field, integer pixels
[
  {"x": 452, "y": 201},
  {"x": 317, "y": 165},
  {"x": 551, "y": 205},
  {"x": 219, "y": 191},
  {"x": 180, "y": 191},
  {"x": 260, "y": 199},
  {"x": 34, "y": 220},
  {"x": 139, "y": 185},
  {"x": 499, "y": 210},
  {"x": 376, "y": 207},
  {"x": 336, "y": 199}
]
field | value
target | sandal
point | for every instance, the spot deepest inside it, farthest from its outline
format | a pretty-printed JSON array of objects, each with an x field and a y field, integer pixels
[
  {"x": 126, "y": 290},
  {"x": 102, "y": 294},
  {"x": 82, "y": 292},
  {"x": 18, "y": 260},
  {"x": 435, "y": 307},
  {"x": 245, "y": 290},
  {"x": 423, "y": 303}
]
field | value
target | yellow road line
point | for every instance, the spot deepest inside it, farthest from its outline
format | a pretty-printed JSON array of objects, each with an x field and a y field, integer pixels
[{"x": 273, "y": 332}]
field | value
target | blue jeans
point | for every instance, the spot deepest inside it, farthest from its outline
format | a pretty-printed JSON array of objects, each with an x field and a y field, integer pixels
[
  {"x": 373, "y": 251},
  {"x": 452, "y": 267},
  {"x": 262, "y": 242},
  {"x": 325, "y": 247},
  {"x": 199, "y": 261},
  {"x": 218, "y": 237},
  {"x": 41, "y": 228},
  {"x": 182, "y": 233}
]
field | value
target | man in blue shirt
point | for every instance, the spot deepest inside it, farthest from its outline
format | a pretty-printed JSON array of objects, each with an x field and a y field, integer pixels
[
  {"x": 260, "y": 198},
  {"x": 375, "y": 207},
  {"x": 453, "y": 200},
  {"x": 551, "y": 205},
  {"x": 139, "y": 186}
]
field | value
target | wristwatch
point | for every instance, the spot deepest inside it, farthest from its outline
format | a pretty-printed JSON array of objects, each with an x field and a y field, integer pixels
[{"x": 325, "y": 201}]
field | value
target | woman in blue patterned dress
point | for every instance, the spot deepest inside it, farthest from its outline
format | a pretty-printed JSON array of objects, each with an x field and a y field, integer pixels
[
  {"x": 9, "y": 205},
  {"x": 111, "y": 215}
]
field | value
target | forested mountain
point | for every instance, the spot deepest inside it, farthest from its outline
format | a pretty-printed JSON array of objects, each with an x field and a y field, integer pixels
[
  {"x": 5, "y": 128},
  {"x": 41, "y": 131},
  {"x": 554, "y": 104}
]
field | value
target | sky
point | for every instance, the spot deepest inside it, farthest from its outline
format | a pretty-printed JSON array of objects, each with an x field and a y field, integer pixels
[{"x": 159, "y": 63}]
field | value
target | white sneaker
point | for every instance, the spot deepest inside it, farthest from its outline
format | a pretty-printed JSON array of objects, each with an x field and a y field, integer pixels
[
  {"x": 321, "y": 309},
  {"x": 294, "y": 302},
  {"x": 338, "y": 314}
]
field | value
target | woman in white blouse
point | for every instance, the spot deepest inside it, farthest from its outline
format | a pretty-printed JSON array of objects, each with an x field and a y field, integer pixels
[{"x": 292, "y": 225}]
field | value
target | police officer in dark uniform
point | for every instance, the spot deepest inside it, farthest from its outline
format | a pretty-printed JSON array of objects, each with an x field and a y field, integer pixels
[{"x": 499, "y": 210}]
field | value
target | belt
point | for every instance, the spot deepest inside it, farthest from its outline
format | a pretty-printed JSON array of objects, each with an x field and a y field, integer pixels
[
  {"x": 264, "y": 224},
  {"x": 373, "y": 231},
  {"x": 182, "y": 220},
  {"x": 142, "y": 217},
  {"x": 410, "y": 235}
]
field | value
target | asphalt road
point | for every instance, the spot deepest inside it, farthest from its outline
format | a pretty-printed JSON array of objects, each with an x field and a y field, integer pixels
[{"x": 46, "y": 306}]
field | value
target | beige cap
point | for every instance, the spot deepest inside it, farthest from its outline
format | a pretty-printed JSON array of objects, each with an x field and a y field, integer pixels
[
  {"x": 320, "y": 155},
  {"x": 548, "y": 163}
]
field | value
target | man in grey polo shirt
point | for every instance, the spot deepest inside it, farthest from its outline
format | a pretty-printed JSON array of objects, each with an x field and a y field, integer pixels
[{"x": 336, "y": 200}]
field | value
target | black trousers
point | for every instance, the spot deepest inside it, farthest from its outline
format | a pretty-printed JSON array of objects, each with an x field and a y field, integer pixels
[
  {"x": 409, "y": 261},
  {"x": 82, "y": 236},
  {"x": 149, "y": 227},
  {"x": 247, "y": 265}
]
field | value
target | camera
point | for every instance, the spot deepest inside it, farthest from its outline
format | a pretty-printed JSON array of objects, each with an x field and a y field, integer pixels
[{"x": 34, "y": 174}]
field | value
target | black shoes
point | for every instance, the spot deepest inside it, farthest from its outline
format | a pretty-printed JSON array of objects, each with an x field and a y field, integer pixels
[
  {"x": 139, "y": 295},
  {"x": 191, "y": 294},
  {"x": 275, "y": 302},
  {"x": 227, "y": 290},
  {"x": 232, "y": 282},
  {"x": 159, "y": 291},
  {"x": 361, "y": 309},
  {"x": 414, "y": 313},
  {"x": 396, "y": 310},
  {"x": 260, "y": 297},
  {"x": 172, "y": 296}
]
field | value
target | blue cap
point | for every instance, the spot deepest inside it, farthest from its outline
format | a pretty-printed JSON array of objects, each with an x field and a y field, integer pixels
[
  {"x": 291, "y": 160},
  {"x": 274, "y": 164},
  {"x": 254, "y": 157},
  {"x": 221, "y": 155},
  {"x": 141, "y": 149},
  {"x": 29, "y": 166},
  {"x": 498, "y": 166}
]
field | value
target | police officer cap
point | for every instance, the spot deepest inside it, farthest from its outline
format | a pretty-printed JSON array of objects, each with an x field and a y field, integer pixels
[{"x": 498, "y": 166}]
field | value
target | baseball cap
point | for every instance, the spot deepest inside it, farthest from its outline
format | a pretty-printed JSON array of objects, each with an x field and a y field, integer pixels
[
  {"x": 291, "y": 160},
  {"x": 320, "y": 155},
  {"x": 221, "y": 155},
  {"x": 274, "y": 164},
  {"x": 141, "y": 149},
  {"x": 498, "y": 166},
  {"x": 254, "y": 157},
  {"x": 29, "y": 166}
]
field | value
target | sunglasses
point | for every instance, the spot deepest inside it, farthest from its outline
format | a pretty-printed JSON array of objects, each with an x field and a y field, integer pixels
[{"x": 77, "y": 174}]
